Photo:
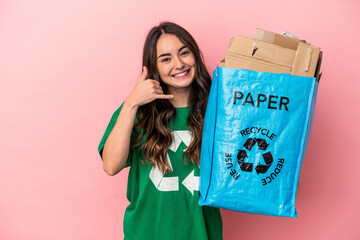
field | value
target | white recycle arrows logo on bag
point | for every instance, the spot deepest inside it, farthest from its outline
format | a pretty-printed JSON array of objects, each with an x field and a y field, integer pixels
[{"x": 166, "y": 184}]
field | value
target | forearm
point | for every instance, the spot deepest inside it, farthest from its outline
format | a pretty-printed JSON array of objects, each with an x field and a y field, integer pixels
[{"x": 116, "y": 148}]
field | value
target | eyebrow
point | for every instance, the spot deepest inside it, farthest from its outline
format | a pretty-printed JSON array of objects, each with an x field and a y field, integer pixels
[{"x": 168, "y": 54}]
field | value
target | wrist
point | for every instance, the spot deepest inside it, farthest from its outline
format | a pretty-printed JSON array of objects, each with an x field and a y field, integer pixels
[{"x": 130, "y": 105}]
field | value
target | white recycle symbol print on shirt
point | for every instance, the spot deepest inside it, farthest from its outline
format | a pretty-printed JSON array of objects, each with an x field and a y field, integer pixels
[{"x": 167, "y": 184}]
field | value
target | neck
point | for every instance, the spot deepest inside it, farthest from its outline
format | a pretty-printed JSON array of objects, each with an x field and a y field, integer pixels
[{"x": 181, "y": 97}]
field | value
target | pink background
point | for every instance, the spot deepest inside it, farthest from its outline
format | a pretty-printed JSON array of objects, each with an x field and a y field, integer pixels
[{"x": 65, "y": 66}]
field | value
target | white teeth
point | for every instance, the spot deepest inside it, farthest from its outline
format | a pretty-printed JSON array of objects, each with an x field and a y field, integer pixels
[{"x": 181, "y": 74}]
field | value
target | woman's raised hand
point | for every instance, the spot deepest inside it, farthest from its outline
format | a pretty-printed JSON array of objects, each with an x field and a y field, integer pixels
[{"x": 146, "y": 90}]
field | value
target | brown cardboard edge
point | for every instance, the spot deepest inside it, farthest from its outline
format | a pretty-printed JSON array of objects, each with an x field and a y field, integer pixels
[
  {"x": 317, "y": 71},
  {"x": 305, "y": 64},
  {"x": 222, "y": 63},
  {"x": 277, "y": 38}
]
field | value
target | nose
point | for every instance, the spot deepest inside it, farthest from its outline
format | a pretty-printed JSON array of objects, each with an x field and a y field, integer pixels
[{"x": 178, "y": 63}]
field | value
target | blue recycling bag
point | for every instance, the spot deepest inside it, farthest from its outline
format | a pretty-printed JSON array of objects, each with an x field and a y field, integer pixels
[{"x": 257, "y": 126}]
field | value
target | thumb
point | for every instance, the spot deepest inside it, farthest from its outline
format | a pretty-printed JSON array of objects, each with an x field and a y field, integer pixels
[{"x": 144, "y": 74}]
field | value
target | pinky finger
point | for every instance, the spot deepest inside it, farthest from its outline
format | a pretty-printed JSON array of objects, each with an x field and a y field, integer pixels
[{"x": 163, "y": 96}]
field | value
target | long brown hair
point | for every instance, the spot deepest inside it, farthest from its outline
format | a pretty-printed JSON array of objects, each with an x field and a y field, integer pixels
[{"x": 154, "y": 137}]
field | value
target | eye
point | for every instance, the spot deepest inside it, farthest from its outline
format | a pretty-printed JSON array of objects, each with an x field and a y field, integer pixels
[
  {"x": 165, "y": 59},
  {"x": 184, "y": 53}
]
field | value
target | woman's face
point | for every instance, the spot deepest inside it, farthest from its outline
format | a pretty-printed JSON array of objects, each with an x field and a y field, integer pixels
[{"x": 175, "y": 63}]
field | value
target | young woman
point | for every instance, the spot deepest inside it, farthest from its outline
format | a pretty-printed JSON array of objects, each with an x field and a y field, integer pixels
[{"x": 157, "y": 132}]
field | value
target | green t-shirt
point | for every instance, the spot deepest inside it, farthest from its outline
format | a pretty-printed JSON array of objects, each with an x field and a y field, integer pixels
[{"x": 165, "y": 207}]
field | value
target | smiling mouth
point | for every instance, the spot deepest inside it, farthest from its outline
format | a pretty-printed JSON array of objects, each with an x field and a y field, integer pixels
[{"x": 182, "y": 74}]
